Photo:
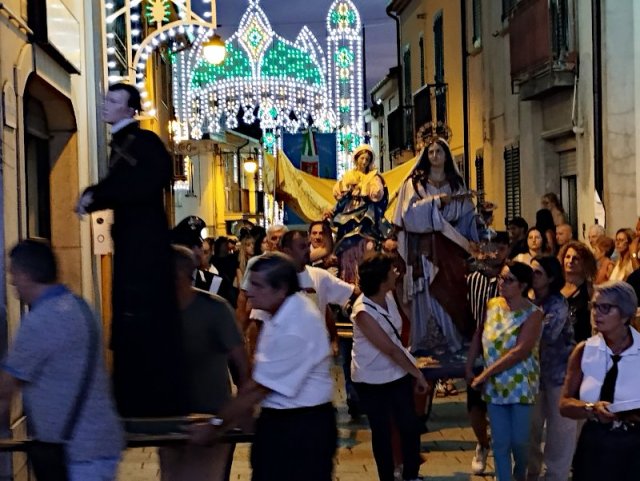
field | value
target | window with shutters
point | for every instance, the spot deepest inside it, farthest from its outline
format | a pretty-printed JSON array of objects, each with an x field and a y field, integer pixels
[
  {"x": 477, "y": 23},
  {"x": 408, "y": 97},
  {"x": 512, "y": 181},
  {"x": 480, "y": 175},
  {"x": 438, "y": 45},
  {"x": 441, "y": 87}
]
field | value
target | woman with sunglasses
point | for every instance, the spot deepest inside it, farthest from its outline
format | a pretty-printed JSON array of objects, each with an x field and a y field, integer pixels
[
  {"x": 509, "y": 339},
  {"x": 556, "y": 345},
  {"x": 382, "y": 370},
  {"x": 602, "y": 387}
]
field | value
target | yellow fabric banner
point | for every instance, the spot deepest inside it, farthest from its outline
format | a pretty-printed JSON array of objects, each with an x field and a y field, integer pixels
[{"x": 311, "y": 196}]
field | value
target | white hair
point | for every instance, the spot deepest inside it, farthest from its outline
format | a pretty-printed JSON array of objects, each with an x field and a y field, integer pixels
[
  {"x": 622, "y": 295},
  {"x": 597, "y": 228},
  {"x": 276, "y": 228}
]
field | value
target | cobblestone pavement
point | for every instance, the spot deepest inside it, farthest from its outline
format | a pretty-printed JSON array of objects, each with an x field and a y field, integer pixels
[{"x": 447, "y": 448}]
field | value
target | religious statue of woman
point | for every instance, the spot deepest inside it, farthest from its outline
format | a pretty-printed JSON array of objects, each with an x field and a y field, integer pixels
[
  {"x": 436, "y": 219},
  {"x": 358, "y": 216}
]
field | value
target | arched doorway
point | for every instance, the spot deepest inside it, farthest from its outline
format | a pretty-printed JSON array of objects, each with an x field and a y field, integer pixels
[{"x": 51, "y": 175}]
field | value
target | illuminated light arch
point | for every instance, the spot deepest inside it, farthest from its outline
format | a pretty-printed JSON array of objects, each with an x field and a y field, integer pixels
[
  {"x": 287, "y": 85},
  {"x": 127, "y": 50}
]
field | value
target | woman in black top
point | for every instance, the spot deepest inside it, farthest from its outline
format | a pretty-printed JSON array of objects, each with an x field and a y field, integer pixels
[{"x": 579, "y": 267}]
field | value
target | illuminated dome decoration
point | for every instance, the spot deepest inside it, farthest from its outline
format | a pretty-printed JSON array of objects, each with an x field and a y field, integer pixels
[
  {"x": 344, "y": 46},
  {"x": 283, "y": 83}
]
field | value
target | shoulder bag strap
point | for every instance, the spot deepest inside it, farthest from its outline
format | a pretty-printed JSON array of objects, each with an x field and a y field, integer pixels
[
  {"x": 87, "y": 377},
  {"x": 386, "y": 318}
]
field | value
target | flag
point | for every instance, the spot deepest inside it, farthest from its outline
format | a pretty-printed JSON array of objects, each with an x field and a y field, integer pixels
[{"x": 309, "y": 160}]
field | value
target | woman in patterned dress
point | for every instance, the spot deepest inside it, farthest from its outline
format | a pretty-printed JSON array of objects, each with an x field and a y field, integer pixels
[{"x": 509, "y": 342}]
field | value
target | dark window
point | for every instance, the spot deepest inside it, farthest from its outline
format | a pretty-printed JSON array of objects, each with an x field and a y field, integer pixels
[
  {"x": 422, "y": 69},
  {"x": 38, "y": 169},
  {"x": 408, "y": 117},
  {"x": 442, "y": 128},
  {"x": 507, "y": 7},
  {"x": 512, "y": 181},
  {"x": 477, "y": 23},
  {"x": 422, "y": 109},
  {"x": 480, "y": 175},
  {"x": 394, "y": 130},
  {"x": 559, "y": 13}
]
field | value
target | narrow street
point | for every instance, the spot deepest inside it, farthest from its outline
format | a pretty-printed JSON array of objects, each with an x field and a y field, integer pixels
[{"x": 448, "y": 448}]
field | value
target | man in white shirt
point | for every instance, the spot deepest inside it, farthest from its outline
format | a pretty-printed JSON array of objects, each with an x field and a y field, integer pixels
[
  {"x": 296, "y": 432},
  {"x": 325, "y": 288},
  {"x": 321, "y": 286}
]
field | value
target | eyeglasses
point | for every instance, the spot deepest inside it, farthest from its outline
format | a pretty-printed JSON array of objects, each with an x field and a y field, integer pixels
[
  {"x": 603, "y": 308},
  {"x": 507, "y": 279},
  {"x": 538, "y": 272}
]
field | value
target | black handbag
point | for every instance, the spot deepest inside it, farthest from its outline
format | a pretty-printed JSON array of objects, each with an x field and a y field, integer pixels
[{"x": 49, "y": 460}]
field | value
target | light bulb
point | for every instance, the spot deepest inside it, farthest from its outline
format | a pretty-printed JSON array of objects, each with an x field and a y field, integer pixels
[
  {"x": 214, "y": 50},
  {"x": 250, "y": 166}
]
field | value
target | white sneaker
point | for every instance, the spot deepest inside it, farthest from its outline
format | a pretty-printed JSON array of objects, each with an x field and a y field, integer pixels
[{"x": 479, "y": 461}]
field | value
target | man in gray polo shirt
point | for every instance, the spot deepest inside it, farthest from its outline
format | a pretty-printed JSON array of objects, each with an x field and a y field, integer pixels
[{"x": 47, "y": 362}]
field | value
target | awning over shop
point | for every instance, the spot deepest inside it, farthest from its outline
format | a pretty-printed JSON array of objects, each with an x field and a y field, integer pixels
[{"x": 311, "y": 196}]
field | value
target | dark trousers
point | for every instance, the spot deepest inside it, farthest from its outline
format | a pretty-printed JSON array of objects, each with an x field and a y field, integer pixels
[
  {"x": 387, "y": 404},
  {"x": 295, "y": 444},
  {"x": 603, "y": 454}
]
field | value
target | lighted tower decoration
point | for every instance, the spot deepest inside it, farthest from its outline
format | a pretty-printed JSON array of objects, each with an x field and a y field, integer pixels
[{"x": 344, "y": 53}]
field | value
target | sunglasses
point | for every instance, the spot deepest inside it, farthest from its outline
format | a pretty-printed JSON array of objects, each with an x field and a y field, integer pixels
[
  {"x": 603, "y": 308},
  {"x": 507, "y": 279}
]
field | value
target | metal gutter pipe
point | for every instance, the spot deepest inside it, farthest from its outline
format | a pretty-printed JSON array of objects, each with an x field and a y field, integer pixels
[{"x": 598, "y": 167}]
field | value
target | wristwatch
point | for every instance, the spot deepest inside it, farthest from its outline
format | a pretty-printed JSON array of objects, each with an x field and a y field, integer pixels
[
  {"x": 216, "y": 421},
  {"x": 590, "y": 408}
]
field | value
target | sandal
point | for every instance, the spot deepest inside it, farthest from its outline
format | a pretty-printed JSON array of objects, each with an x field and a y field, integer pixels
[{"x": 450, "y": 388}]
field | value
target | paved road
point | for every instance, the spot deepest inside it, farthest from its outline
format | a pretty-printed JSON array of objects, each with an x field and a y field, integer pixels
[{"x": 447, "y": 448}]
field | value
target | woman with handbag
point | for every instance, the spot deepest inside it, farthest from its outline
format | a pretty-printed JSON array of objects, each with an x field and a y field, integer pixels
[{"x": 382, "y": 369}]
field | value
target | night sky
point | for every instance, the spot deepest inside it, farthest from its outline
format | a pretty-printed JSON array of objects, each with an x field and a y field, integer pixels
[{"x": 287, "y": 17}]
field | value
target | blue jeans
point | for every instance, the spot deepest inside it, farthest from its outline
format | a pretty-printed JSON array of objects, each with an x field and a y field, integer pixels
[
  {"x": 96, "y": 470},
  {"x": 510, "y": 429}
]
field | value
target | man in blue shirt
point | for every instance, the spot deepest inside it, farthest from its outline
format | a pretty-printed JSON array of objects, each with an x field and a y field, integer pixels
[{"x": 48, "y": 359}]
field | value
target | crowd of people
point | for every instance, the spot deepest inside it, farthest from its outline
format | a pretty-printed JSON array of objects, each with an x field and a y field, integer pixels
[
  {"x": 551, "y": 360},
  {"x": 536, "y": 302}
]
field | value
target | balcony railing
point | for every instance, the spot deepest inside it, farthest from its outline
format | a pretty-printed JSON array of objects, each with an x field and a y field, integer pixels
[{"x": 430, "y": 100}]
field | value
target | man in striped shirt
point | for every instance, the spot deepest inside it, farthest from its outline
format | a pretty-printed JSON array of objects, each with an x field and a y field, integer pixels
[{"x": 483, "y": 285}]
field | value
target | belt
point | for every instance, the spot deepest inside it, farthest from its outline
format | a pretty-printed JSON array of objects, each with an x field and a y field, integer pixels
[
  {"x": 617, "y": 425},
  {"x": 292, "y": 411}
]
